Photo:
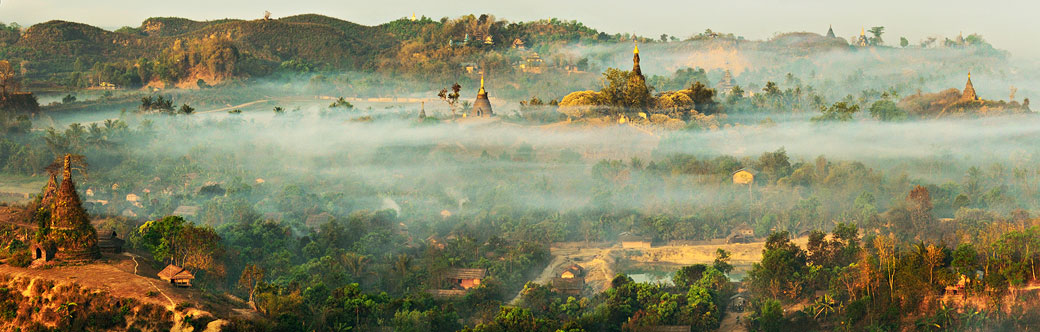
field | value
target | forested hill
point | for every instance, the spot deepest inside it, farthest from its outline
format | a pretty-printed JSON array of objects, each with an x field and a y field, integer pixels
[{"x": 177, "y": 50}]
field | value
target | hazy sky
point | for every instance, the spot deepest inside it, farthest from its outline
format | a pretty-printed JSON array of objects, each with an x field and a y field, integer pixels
[{"x": 1010, "y": 25}]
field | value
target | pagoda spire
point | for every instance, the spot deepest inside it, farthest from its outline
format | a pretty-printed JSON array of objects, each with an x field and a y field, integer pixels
[
  {"x": 67, "y": 168},
  {"x": 969, "y": 90},
  {"x": 635, "y": 62},
  {"x": 481, "y": 106},
  {"x": 481, "y": 91}
]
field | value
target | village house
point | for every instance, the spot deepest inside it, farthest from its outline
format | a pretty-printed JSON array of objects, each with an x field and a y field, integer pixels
[
  {"x": 186, "y": 211},
  {"x": 738, "y": 302},
  {"x": 315, "y": 221},
  {"x": 632, "y": 241},
  {"x": 958, "y": 288},
  {"x": 435, "y": 242},
  {"x": 470, "y": 67},
  {"x": 571, "y": 280},
  {"x": 741, "y": 234},
  {"x": 465, "y": 278},
  {"x": 176, "y": 275}
]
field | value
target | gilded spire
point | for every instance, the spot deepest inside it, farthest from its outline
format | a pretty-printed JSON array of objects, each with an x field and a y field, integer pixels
[
  {"x": 862, "y": 31},
  {"x": 481, "y": 84},
  {"x": 635, "y": 61}
]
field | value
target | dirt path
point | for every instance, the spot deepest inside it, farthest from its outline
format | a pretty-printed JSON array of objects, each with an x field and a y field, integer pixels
[
  {"x": 545, "y": 277},
  {"x": 134, "y": 258},
  {"x": 236, "y": 106},
  {"x": 734, "y": 321},
  {"x": 116, "y": 277}
]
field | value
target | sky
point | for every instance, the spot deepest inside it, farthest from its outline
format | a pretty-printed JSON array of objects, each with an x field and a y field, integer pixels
[{"x": 1007, "y": 24}]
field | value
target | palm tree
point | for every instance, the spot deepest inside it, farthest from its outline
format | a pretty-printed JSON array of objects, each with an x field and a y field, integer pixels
[{"x": 355, "y": 263}]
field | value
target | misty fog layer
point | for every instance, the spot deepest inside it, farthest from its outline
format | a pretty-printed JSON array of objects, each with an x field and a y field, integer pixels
[{"x": 395, "y": 160}]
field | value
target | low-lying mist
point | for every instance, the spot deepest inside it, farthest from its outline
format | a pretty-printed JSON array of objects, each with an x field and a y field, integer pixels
[{"x": 386, "y": 158}]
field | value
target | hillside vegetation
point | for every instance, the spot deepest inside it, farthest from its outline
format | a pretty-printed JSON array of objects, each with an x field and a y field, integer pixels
[{"x": 168, "y": 50}]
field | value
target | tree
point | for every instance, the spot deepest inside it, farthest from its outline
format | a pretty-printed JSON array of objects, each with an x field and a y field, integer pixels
[
  {"x": 886, "y": 253},
  {"x": 355, "y": 263},
  {"x": 877, "y": 32},
  {"x": 887, "y": 110},
  {"x": 703, "y": 98},
  {"x": 7, "y": 77},
  {"x": 624, "y": 90},
  {"x": 185, "y": 109},
  {"x": 840, "y": 111},
  {"x": 688, "y": 275},
  {"x": 919, "y": 205},
  {"x": 771, "y": 316},
  {"x": 903, "y": 42},
  {"x": 451, "y": 98},
  {"x": 933, "y": 258},
  {"x": 722, "y": 261},
  {"x": 159, "y": 236},
  {"x": 175, "y": 240},
  {"x": 780, "y": 272},
  {"x": 251, "y": 277},
  {"x": 198, "y": 248}
]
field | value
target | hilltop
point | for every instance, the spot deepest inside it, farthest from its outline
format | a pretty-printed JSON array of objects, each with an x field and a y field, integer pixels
[
  {"x": 173, "y": 50},
  {"x": 178, "y": 51}
]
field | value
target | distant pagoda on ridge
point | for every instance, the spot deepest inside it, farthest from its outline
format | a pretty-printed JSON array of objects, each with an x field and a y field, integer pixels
[
  {"x": 482, "y": 106},
  {"x": 862, "y": 41},
  {"x": 969, "y": 91}
]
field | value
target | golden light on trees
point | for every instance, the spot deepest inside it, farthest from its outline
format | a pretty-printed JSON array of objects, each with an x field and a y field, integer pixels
[{"x": 6, "y": 75}]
